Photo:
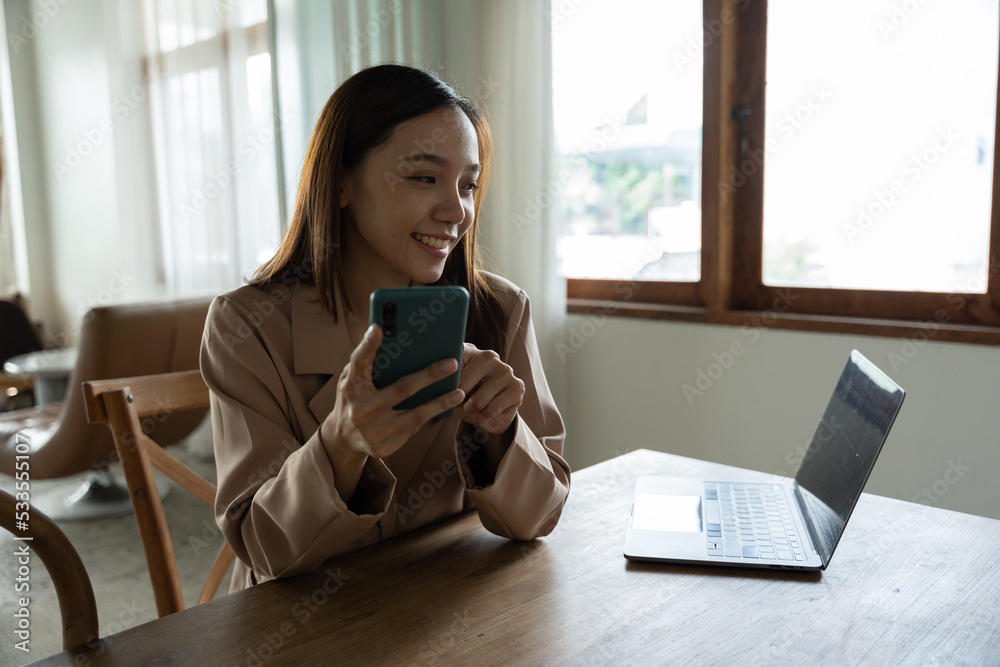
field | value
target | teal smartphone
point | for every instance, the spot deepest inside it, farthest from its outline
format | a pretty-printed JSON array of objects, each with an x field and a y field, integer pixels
[{"x": 420, "y": 326}]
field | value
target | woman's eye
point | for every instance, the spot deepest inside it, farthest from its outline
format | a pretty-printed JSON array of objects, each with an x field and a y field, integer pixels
[
  {"x": 470, "y": 187},
  {"x": 423, "y": 179}
]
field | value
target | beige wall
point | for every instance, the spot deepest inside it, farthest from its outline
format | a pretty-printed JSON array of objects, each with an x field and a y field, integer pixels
[{"x": 626, "y": 382}]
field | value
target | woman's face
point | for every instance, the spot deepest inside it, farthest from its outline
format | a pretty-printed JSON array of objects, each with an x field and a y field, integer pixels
[{"x": 411, "y": 201}]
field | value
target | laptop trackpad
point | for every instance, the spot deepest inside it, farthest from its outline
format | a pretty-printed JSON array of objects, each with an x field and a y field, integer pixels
[{"x": 678, "y": 514}]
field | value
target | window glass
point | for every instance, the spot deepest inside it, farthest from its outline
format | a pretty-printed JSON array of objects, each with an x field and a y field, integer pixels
[
  {"x": 213, "y": 139},
  {"x": 879, "y": 144},
  {"x": 627, "y": 79}
]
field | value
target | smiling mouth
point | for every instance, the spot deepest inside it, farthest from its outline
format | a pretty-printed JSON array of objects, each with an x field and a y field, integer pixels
[{"x": 440, "y": 244}]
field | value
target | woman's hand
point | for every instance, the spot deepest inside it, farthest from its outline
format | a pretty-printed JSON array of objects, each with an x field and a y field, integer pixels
[
  {"x": 363, "y": 423},
  {"x": 493, "y": 393}
]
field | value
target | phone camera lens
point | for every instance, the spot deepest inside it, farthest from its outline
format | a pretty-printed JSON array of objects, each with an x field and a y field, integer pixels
[{"x": 389, "y": 319}]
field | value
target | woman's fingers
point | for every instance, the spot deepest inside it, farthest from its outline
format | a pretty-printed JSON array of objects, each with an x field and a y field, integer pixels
[
  {"x": 493, "y": 392},
  {"x": 388, "y": 435},
  {"x": 408, "y": 385},
  {"x": 488, "y": 390},
  {"x": 380, "y": 404},
  {"x": 502, "y": 406},
  {"x": 477, "y": 365},
  {"x": 365, "y": 416},
  {"x": 414, "y": 419},
  {"x": 363, "y": 358}
]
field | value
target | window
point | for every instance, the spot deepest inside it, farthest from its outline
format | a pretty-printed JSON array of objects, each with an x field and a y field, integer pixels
[
  {"x": 855, "y": 191},
  {"x": 881, "y": 163},
  {"x": 214, "y": 135},
  {"x": 628, "y": 130}
]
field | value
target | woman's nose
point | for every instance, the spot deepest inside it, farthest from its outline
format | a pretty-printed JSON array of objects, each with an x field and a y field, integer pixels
[{"x": 450, "y": 208}]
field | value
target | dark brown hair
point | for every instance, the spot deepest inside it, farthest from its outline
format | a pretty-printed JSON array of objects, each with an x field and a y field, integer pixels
[{"x": 359, "y": 116}]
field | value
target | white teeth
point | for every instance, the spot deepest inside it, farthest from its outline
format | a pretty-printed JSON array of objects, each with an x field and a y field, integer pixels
[{"x": 440, "y": 244}]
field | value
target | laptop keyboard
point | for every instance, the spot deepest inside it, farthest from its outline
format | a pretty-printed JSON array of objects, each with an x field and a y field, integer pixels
[{"x": 752, "y": 521}]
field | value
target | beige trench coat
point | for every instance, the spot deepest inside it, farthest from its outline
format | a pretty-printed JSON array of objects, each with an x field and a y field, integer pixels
[{"x": 271, "y": 359}]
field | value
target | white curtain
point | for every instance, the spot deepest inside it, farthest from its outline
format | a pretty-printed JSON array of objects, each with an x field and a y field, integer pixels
[
  {"x": 8, "y": 273},
  {"x": 214, "y": 131},
  {"x": 519, "y": 225}
]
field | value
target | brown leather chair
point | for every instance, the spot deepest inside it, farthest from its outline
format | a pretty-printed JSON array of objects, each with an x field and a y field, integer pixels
[{"x": 116, "y": 341}]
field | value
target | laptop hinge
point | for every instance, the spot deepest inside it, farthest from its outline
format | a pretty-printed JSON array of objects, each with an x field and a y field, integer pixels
[{"x": 807, "y": 517}]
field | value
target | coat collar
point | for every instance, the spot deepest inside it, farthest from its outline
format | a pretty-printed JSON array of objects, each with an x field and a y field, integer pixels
[{"x": 319, "y": 346}]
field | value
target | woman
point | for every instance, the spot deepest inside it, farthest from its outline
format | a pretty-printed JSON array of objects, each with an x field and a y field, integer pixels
[{"x": 312, "y": 459}]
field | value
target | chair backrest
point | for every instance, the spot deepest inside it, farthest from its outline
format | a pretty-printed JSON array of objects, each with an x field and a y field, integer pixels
[
  {"x": 122, "y": 404},
  {"x": 77, "y": 605},
  {"x": 123, "y": 340}
]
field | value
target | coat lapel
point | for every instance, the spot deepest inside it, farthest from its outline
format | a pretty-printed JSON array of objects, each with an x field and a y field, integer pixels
[{"x": 319, "y": 346}]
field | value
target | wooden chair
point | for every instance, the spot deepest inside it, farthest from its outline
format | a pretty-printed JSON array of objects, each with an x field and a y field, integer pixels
[
  {"x": 122, "y": 404},
  {"x": 77, "y": 605},
  {"x": 116, "y": 341}
]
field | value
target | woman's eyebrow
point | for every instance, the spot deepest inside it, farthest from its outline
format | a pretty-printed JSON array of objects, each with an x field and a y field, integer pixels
[{"x": 441, "y": 161}]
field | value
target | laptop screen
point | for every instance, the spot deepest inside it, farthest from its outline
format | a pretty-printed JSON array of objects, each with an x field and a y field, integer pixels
[{"x": 843, "y": 450}]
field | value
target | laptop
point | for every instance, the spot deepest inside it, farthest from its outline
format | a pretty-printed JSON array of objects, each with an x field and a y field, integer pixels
[{"x": 782, "y": 523}]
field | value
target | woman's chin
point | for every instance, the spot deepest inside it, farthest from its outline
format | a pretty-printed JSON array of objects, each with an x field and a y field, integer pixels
[{"x": 426, "y": 276}]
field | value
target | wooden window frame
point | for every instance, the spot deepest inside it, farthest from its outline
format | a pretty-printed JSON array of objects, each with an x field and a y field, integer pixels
[{"x": 731, "y": 290}]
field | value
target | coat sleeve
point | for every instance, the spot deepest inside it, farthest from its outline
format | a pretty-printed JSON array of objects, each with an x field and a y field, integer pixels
[
  {"x": 523, "y": 498},
  {"x": 276, "y": 504}
]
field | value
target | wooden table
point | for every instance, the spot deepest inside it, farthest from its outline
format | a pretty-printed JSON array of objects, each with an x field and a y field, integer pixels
[{"x": 908, "y": 584}]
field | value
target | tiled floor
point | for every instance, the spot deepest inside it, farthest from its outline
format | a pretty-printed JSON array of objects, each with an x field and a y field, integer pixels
[{"x": 112, "y": 553}]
